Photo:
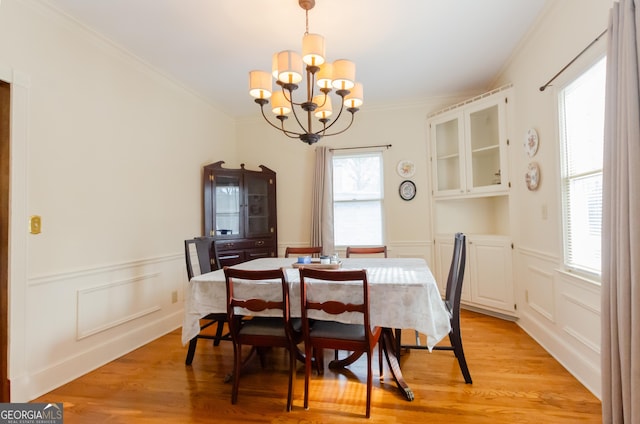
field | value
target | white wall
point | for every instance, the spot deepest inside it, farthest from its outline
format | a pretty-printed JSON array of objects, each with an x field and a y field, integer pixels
[
  {"x": 560, "y": 310},
  {"x": 109, "y": 153}
]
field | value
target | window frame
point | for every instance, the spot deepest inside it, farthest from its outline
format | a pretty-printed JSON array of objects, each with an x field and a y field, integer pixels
[
  {"x": 580, "y": 68},
  {"x": 361, "y": 153}
]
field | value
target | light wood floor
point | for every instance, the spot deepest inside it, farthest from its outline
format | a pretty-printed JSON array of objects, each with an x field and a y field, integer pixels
[{"x": 514, "y": 381}]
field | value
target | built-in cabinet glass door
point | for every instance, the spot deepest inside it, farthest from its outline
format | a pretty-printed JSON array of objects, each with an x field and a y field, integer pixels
[
  {"x": 447, "y": 134},
  {"x": 257, "y": 206},
  {"x": 484, "y": 137},
  {"x": 227, "y": 205}
]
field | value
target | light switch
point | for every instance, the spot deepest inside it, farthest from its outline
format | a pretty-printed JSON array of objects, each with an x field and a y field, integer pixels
[{"x": 35, "y": 224}]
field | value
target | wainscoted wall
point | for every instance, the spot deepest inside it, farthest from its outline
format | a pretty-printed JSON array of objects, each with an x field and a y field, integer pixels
[
  {"x": 78, "y": 321},
  {"x": 562, "y": 312}
]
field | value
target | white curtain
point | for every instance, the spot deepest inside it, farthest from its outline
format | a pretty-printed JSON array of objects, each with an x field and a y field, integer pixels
[
  {"x": 621, "y": 221},
  {"x": 322, "y": 207}
]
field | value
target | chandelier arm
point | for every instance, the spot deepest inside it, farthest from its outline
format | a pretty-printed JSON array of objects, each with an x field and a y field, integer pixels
[
  {"x": 288, "y": 133},
  {"x": 326, "y": 127},
  {"x": 343, "y": 130},
  {"x": 290, "y": 99}
]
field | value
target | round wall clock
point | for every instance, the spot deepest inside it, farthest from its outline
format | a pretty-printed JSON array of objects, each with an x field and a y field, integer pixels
[
  {"x": 406, "y": 168},
  {"x": 532, "y": 176},
  {"x": 407, "y": 190}
]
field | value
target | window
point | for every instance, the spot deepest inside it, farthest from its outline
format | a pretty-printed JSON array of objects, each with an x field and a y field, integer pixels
[
  {"x": 357, "y": 199},
  {"x": 581, "y": 134}
]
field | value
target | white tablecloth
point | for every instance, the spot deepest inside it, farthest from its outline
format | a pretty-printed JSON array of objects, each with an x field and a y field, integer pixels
[{"x": 402, "y": 294}]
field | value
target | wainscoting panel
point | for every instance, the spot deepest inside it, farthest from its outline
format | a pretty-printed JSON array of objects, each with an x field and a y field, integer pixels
[
  {"x": 112, "y": 304},
  {"x": 408, "y": 249},
  {"x": 580, "y": 300},
  {"x": 539, "y": 285}
]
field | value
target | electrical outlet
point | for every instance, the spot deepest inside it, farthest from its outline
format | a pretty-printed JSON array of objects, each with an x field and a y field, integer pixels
[{"x": 174, "y": 296}]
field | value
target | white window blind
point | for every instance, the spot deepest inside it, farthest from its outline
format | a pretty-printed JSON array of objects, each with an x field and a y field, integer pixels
[
  {"x": 582, "y": 132},
  {"x": 357, "y": 199}
]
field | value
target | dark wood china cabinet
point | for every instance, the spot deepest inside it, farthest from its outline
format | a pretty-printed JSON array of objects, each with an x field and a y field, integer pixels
[{"x": 240, "y": 212}]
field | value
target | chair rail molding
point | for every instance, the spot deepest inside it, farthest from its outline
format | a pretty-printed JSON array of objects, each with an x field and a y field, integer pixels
[{"x": 102, "y": 269}]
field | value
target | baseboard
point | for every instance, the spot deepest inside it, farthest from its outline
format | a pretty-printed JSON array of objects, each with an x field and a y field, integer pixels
[
  {"x": 571, "y": 359},
  {"x": 489, "y": 312}
]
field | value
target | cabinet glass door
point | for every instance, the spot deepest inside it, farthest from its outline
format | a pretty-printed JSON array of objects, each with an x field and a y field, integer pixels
[
  {"x": 227, "y": 214},
  {"x": 448, "y": 164},
  {"x": 257, "y": 202},
  {"x": 484, "y": 134}
]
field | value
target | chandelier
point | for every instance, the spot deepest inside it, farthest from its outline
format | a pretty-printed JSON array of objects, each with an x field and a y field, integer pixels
[{"x": 287, "y": 69}]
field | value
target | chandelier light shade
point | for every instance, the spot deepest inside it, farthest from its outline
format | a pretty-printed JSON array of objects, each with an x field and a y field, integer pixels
[
  {"x": 260, "y": 83},
  {"x": 289, "y": 69}
]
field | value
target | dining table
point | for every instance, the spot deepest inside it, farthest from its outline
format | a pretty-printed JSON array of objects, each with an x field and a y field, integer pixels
[{"x": 402, "y": 294}]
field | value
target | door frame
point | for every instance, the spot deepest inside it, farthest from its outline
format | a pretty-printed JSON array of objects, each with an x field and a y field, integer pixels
[
  {"x": 5, "y": 183},
  {"x": 16, "y": 381}
]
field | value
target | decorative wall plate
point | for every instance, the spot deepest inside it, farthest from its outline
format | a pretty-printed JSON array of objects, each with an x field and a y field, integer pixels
[
  {"x": 407, "y": 190},
  {"x": 406, "y": 168},
  {"x": 532, "y": 177},
  {"x": 531, "y": 143}
]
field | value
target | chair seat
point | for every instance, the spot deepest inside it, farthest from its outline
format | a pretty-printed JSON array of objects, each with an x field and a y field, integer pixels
[
  {"x": 268, "y": 326},
  {"x": 337, "y": 330}
]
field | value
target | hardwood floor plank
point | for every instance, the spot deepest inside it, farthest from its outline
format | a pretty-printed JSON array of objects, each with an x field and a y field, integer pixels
[{"x": 514, "y": 381}]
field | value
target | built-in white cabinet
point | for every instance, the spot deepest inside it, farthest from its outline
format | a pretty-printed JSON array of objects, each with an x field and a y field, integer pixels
[
  {"x": 490, "y": 272},
  {"x": 469, "y": 152},
  {"x": 488, "y": 279},
  {"x": 468, "y": 147}
]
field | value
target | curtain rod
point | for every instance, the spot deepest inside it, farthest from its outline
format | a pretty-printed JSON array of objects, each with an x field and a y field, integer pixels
[
  {"x": 573, "y": 60},
  {"x": 361, "y": 147}
]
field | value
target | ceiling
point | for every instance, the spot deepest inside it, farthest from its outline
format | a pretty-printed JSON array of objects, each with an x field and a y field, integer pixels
[{"x": 405, "y": 51}]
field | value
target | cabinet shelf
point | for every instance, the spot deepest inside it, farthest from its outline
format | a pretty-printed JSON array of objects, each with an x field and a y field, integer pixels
[
  {"x": 485, "y": 149},
  {"x": 451, "y": 156}
]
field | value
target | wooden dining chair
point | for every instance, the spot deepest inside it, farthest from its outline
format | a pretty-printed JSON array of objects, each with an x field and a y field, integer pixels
[
  {"x": 314, "y": 251},
  {"x": 359, "y": 338},
  {"x": 451, "y": 301},
  {"x": 201, "y": 256},
  {"x": 260, "y": 331},
  {"x": 351, "y": 250}
]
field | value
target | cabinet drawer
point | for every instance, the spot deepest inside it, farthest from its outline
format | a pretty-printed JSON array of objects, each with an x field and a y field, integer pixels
[
  {"x": 223, "y": 245},
  {"x": 231, "y": 257},
  {"x": 260, "y": 253}
]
